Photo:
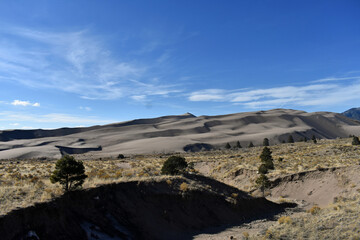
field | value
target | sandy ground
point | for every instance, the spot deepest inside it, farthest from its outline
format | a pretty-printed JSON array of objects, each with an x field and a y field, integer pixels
[{"x": 307, "y": 189}]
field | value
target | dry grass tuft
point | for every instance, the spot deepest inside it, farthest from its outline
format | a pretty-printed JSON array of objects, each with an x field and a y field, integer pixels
[
  {"x": 285, "y": 220},
  {"x": 184, "y": 186},
  {"x": 234, "y": 195},
  {"x": 314, "y": 210},
  {"x": 339, "y": 221}
]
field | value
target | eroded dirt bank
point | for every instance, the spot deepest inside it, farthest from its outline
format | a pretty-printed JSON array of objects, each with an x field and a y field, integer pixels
[
  {"x": 320, "y": 187},
  {"x": 161, "y": 208},
  {"x": 334, "y": 190}
]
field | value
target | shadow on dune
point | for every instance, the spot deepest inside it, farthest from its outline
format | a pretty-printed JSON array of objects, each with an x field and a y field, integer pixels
[{"x": 73, "y": 150}]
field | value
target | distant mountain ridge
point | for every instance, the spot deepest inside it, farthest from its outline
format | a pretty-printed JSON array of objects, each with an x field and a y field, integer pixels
[
  {"x": 175, "y": 133},
  {"x": 352, "y": 113}
]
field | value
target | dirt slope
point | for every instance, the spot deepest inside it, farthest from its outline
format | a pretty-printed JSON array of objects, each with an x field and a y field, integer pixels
[
  {"x": 317, "y": 187},
  {"x": 320, "y": 187},
  {"x": 155, "y": 209}
]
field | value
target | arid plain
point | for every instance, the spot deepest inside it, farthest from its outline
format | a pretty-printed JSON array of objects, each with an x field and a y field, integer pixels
[{"x": 321, "y": 178}]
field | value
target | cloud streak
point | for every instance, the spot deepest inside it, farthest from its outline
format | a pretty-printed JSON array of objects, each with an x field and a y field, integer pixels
[
  {"x": 10, "y": 116},
  {"x": 75, "y": 62},
  {"x": 24, "y": 103},
  {"x": 326, "y": 94},
  {"x": 332, "y": 79}
]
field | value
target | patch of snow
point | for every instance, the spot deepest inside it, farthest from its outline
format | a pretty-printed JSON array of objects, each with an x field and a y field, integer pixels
[
  {"x": 32, "y": 235},
  {"x": 93, "y": 232}
]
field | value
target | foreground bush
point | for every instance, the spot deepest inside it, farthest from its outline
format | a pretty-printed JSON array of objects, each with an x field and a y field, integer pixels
[
  {"x": 69, "y": 173},
  {"x": 355, "y": 141},
  {"x": 174, "y": 165}
]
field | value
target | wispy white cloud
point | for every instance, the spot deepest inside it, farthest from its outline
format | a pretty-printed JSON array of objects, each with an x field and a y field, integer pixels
[
  {"x": 24, "y": 103},
  {"x": 85, "y": 108},
  {"x": 58, "y": 118},
  {"x": 164, "y": 57},
  {"x": 66, "y": 118},
  {"x": 26, "y": 127},
  {"x": 286, "y": 96},
  {"x": 76, "y": 62},
  {"x": 139, "y": 98},
  {"x": 209, "y": 95},
  {"x": 332, "y": 79}
]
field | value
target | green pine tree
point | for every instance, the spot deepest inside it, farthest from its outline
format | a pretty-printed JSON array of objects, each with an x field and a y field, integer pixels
[
  {"x": 266, "y": 158},
  {"x": 69, "y": 173},
  {"x": 263, "y": 169},
  {"x": 266, "y": 142},
  {"x": 263, "y": 182}
]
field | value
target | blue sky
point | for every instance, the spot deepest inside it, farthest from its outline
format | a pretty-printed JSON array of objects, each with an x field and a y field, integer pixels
[{"x": 82, "y": 63}]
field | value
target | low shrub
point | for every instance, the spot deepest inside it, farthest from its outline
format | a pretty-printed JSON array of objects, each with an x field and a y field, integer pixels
[{"x": 174, "y": 165}]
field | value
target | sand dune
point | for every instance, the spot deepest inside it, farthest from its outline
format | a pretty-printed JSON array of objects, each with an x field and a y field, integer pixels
[{"x": 173, "y": 133}]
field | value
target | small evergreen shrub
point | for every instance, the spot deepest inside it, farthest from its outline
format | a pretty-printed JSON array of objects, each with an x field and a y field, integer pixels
[
  {"x": 69, "y": 172},
  {"x": 174, "y": 165},
  {"x": 262, "y": 182},
  {"x": 266, "y": 158},
  {"x": 263, "y": 169},
  {"x": 266, "y": 142},
  {"x": 314, "y": 139},
  {"x": 355, "y": 141}
]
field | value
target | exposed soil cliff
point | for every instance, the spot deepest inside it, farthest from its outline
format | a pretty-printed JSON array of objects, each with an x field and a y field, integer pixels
[{"x": 163, "y": 208}]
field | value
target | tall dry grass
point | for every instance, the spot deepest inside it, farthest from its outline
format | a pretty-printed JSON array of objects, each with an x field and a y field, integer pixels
[{"x": 25, "y": 182}]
